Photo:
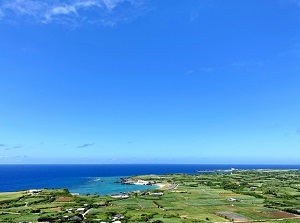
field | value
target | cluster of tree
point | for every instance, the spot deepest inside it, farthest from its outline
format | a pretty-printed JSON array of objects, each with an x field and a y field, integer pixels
[
  {"x": 60, "y": 193},
  {"x": 253, "y": 194},
  {"x": 78, "y": 218}
]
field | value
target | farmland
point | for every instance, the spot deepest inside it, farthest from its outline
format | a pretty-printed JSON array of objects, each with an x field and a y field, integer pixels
[{"x": 239, "y": 196}]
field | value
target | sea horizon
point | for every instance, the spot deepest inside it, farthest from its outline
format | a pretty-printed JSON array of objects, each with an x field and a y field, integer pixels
[{"x": 277, "y": 164}]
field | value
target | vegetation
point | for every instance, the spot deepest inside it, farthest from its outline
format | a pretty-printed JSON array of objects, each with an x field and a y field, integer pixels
[{"x": 244, "y": 196}]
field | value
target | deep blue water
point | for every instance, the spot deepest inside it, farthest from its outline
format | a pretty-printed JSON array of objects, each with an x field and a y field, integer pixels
[{"x": 99, "y": 179}]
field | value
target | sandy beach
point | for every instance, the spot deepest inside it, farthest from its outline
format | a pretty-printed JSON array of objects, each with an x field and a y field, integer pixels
[{"x": 160, "y": 185}]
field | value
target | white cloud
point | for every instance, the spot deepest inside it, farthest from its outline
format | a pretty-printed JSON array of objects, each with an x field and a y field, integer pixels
[
  {"x": 85, "y": 4},
  {"x": 64, "y": 11},
  {"x": 23, "y": 7},
  {"x": 111, "y": 4},
  {"x": 58, "y": 11}
]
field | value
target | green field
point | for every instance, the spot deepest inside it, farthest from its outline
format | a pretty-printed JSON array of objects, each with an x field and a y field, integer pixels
[{"x": 11, "y": 196}]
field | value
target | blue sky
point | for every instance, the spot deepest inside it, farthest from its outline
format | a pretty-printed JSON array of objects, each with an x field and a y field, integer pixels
[{"x": 140, "y": 81}]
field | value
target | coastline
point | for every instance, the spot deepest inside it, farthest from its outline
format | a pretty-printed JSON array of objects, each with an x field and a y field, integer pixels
[
  {"x": 160, "y": 185},
  {"x": 86, "y": 179}
]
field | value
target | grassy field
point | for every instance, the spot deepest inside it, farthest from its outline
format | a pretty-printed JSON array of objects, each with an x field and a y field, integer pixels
[
  {"x": 240, "y": 196},
  {"x": 11, "y": 196}
]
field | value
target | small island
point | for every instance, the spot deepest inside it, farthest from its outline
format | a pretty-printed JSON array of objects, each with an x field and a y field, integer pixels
[{"x": 269, "y": 196}]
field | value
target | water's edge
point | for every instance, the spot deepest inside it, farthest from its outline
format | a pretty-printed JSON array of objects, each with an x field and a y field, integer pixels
[{"x": 99, "y": 179}]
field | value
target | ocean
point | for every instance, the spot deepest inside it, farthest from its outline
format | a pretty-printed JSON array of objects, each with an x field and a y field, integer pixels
[{"x": 99, "y": 179}]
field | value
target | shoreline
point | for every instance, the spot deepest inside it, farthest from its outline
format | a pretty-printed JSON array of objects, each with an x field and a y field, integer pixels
[
  {"x": 62, "y": 180},
  {"x": 138, "y": 181},
  {"x": 160, "y": 185}
]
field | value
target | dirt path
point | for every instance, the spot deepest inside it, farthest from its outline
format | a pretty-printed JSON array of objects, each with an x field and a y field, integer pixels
[
  {"x": 85, "y": 213},
  {"x": 141, "y": 206}
]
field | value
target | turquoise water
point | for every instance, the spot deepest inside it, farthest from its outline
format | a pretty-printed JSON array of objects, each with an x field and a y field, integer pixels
[{"x": 106, "y": 186}]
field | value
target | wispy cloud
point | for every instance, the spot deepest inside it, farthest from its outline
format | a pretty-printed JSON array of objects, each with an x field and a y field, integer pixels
[
  {"x": 207, "y": 69},
  {"x": 25, "y": 156},
  {"x": 85, "y": 145},
  {"x": 105, "y": 12},
  {"x": 13, "y": 147},
  {"x": 298, "y": 131},
  {"x": 247, "y": 65},
  {"x": 130, "y": 142},
  {"x": 17, "y": 147},
  {"x": 198, "y": 8},
  {"x": 2, "y": 145},
  {"x": 244, "y": 66},
  {"x": 201, "y": 70},
  {"x": 190, "y": 72},
  {"x": 194, "y": 16}
]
